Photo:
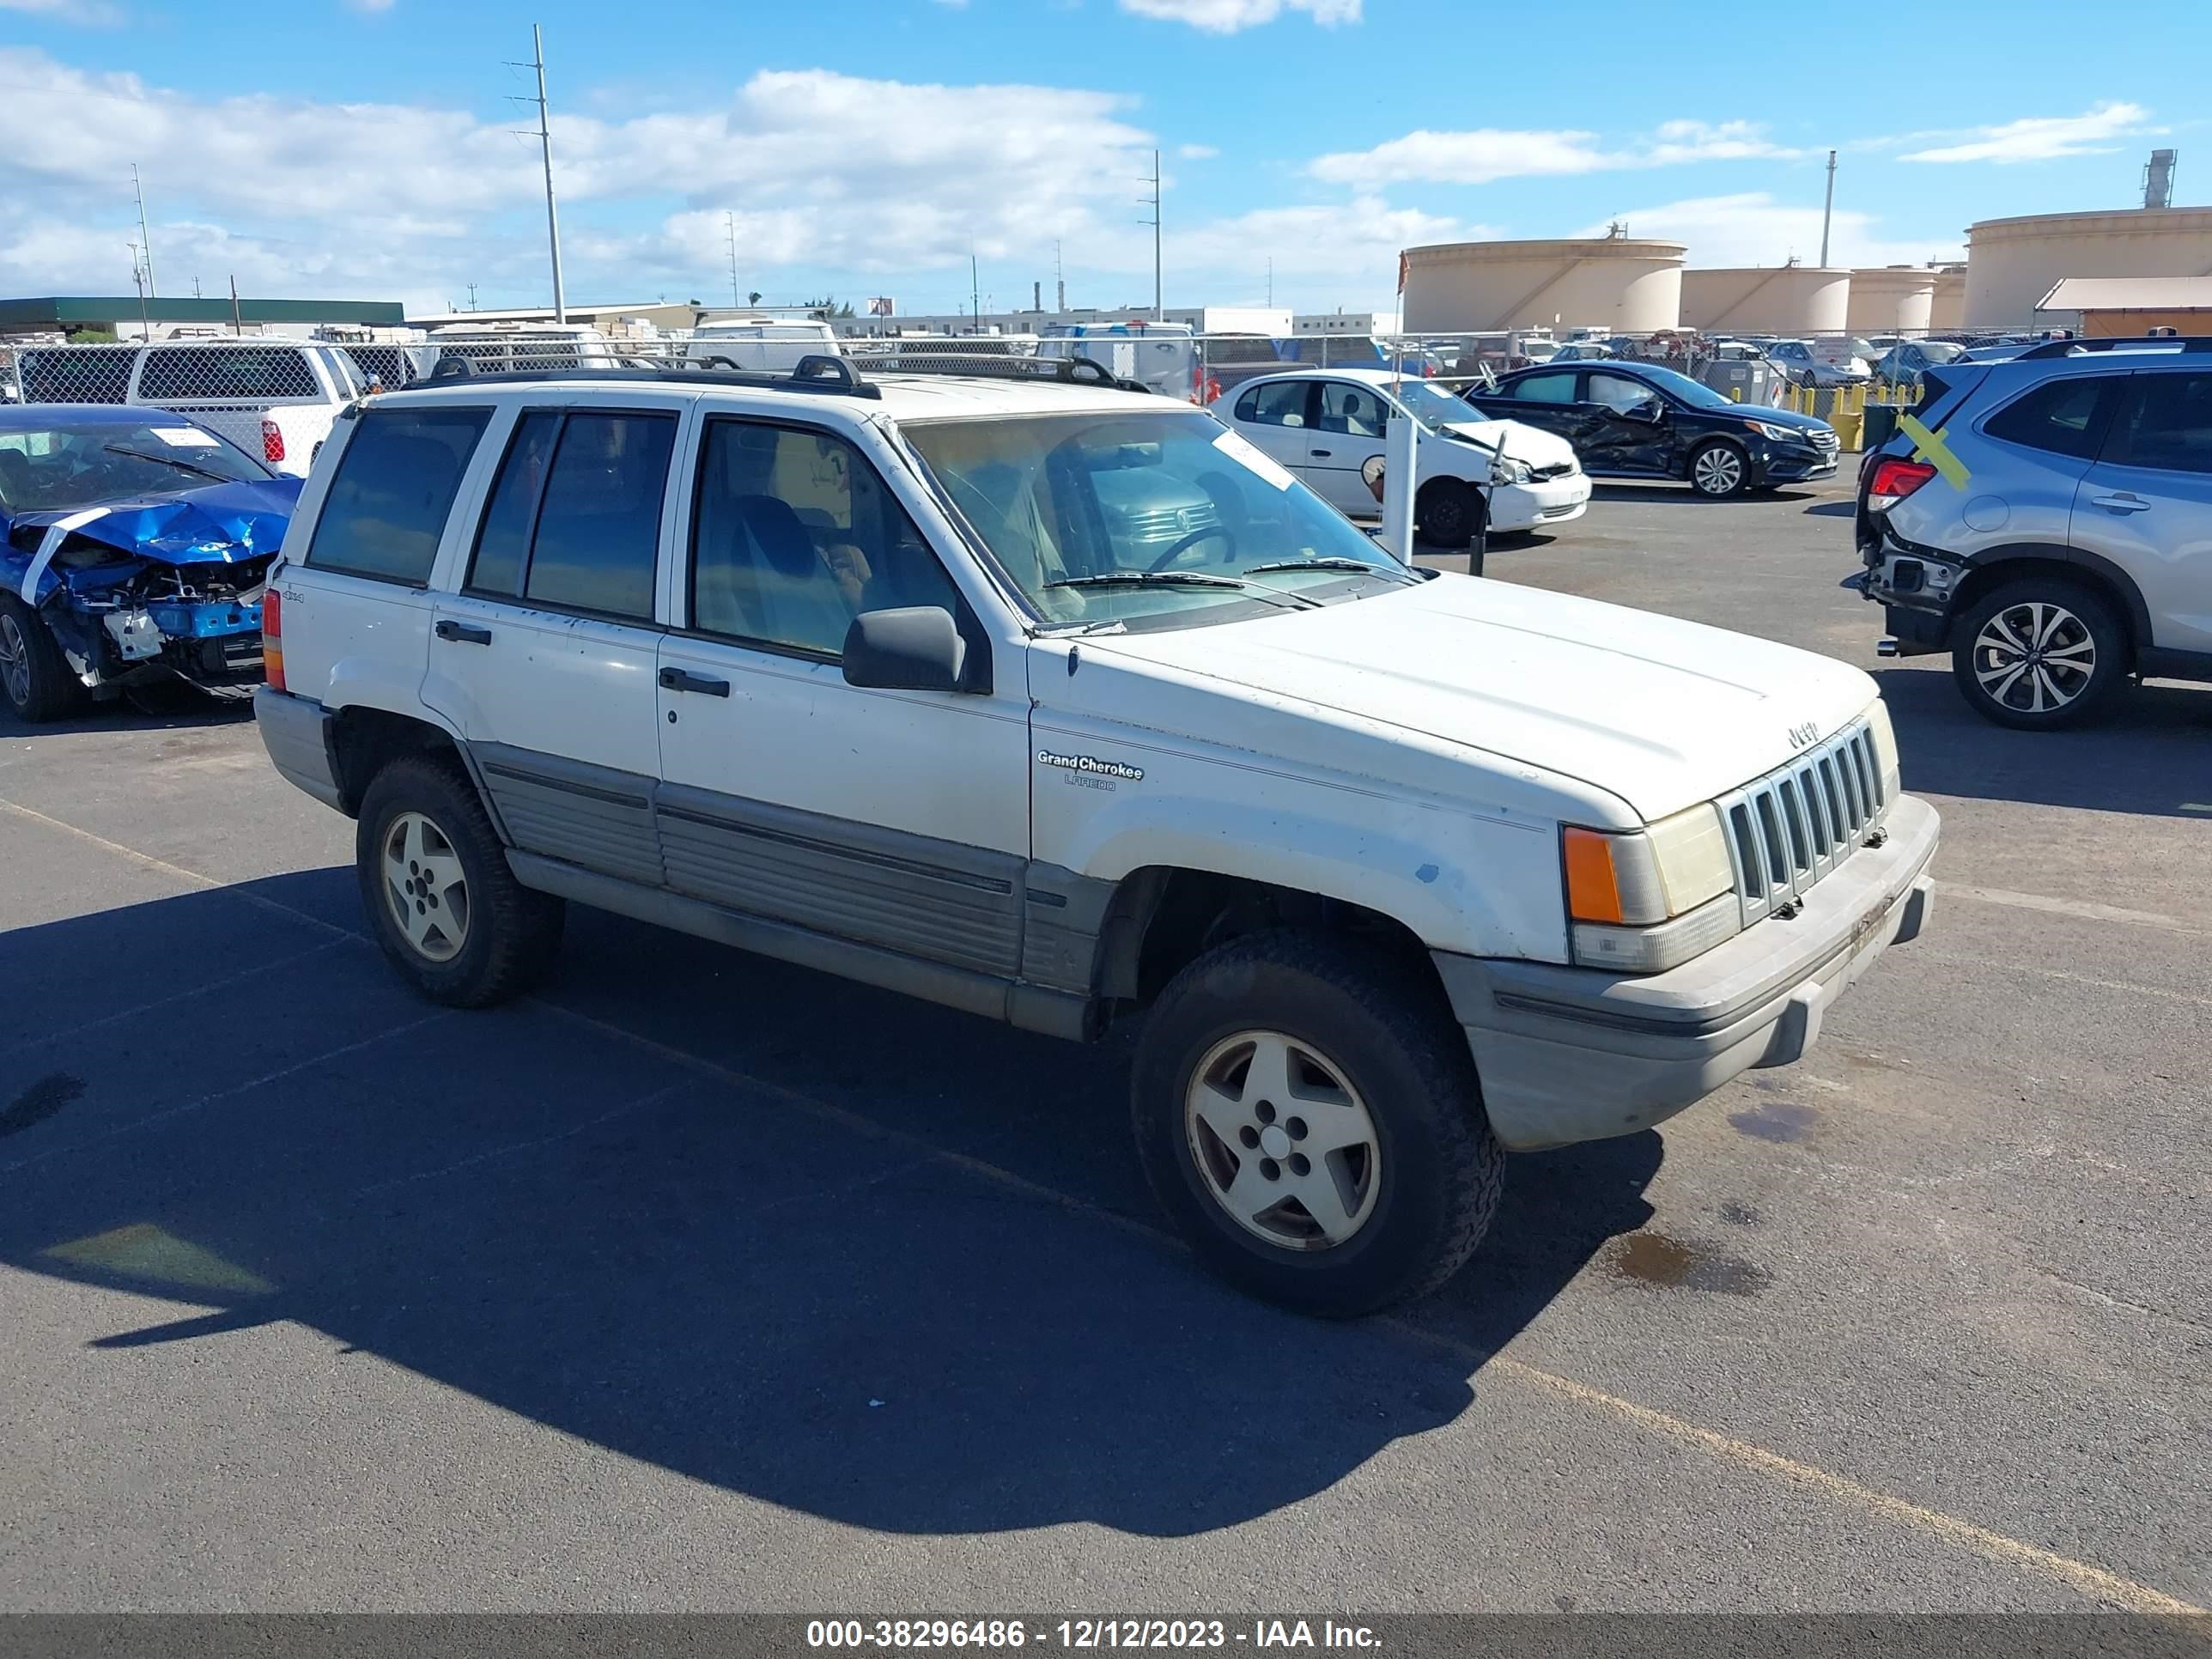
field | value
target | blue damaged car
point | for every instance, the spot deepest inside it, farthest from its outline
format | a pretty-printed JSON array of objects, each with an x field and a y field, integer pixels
[{"x": 134, "y": 547}]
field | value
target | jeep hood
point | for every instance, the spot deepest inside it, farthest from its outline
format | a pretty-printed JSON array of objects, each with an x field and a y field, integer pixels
[{"x": 1661, "y": 712}]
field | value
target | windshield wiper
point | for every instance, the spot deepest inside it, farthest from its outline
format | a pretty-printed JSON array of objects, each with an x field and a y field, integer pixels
[
  {"x": 1359, "y": 565},
  {"x": 167, "y": 460},
  {"x": 1184, "y": 579}
]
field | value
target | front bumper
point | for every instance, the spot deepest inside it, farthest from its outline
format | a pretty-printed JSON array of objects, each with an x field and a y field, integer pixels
[
  {"x": 1531, "y": 506},
  {"x": 1568, "y": 1054},
  {"x": 1782, "y": 464}
]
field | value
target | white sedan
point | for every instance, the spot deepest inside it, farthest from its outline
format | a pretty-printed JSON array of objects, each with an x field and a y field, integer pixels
[{"x": 1471, "y": 472}]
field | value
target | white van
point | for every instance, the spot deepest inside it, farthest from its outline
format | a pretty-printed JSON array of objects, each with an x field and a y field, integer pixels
[
  {"x": 524, "y": 348},
  {"x": 1164, "y": 356},
  {"x": 273, "y": 397},
  {"x": 767, "y": 344}
]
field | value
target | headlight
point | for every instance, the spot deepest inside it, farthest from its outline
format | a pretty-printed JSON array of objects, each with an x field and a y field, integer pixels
[
  {"x": 1781, "y": 434},
  {"x": 1646, "y": 901},
  {"x": 1885, "y": 749},
  {"x": 1506, "y": 471}
]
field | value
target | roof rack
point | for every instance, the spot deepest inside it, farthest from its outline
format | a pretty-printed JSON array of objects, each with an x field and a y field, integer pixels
[
  {"x": 2192, "y": 343},
  {"x": 920, "y": 356},
  {"x": 814, "y": 373}
]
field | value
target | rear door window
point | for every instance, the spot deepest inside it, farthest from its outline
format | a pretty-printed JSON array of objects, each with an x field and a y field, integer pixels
[
  {"x": 2166, "y": 424},
  {"x": 395, "y": 485},
  {"x": 1619, "y": 393},
  {"x": 573, "y": 523},
  {"x": 252, "y": 374},
  {"x": 2064, "y": 416}
]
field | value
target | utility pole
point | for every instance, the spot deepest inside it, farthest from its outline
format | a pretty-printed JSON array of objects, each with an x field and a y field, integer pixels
[
  {"x": 138, "y": 281},
  {"x": 237, "y": 324},
  {"x": 472, "y": 296},
  {"x": 145, "y": 242},
  {"x": 1159, "y": 314},
  {"x": 975, "y": 295},
  {"x": 1828, "y": 210},
  {"x": 1059, "y": 280},
  {"x": 545, "y": 145},
  {"x": 737, "y": 295}
]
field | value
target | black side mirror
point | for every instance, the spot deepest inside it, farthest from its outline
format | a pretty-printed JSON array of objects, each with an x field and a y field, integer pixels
[{"x": 916, "y": 649}]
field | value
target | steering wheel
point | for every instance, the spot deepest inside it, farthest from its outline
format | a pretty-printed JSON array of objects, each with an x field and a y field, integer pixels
[{"x": 1228, "y": 543}]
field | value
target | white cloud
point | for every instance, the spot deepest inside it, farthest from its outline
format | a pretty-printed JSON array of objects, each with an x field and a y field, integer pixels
[
  {"x": 1752, "y": 228},
  {"x": 94, "y": 13},
  {"x": 1486, "y": 154},
  {"x": 1228, "y": 16},
  {"x": 1196, "y": 152},
  {"x": 2043, "y": 138}
]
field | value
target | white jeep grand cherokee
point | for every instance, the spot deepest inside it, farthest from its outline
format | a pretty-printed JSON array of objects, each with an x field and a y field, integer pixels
[{"x": 1057, "y": 702}]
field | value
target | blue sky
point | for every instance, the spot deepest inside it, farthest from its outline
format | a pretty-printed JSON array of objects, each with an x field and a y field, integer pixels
[{"x": 364, "y": 148}]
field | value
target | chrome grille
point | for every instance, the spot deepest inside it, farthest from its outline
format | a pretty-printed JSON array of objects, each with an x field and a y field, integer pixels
[{"x": 1791, "y": 828}]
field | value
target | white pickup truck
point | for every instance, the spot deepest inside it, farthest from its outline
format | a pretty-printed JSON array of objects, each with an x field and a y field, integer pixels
[{"x": 1060, "y": 704}]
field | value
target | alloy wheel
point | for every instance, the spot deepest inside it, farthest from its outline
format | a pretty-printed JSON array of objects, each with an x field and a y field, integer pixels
[
  {"x": 426, "y": 890},
  {"x": 15, "y": 661},
  {"x": 1718, "y": 470},
  {"x": 2034, "y": 657},
  {"x": 1282, "y": 1141}
]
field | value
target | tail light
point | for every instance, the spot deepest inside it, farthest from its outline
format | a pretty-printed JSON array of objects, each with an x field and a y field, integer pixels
[
  {"x": 1893, "y": 480},
  {"x": 272, "y": 441},
  {"x": 272, "y": 638}
]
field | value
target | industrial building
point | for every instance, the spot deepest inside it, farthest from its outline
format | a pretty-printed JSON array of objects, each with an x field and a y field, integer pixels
[
  {"x": 1199, "y": 319},
  {"x": 2107, "y": 307},
  {"x": 1628, "y": 285},
  {"x": 1789, "y": 299},
  {"x": 2012, "y": 264},
  {"x": 128, "y": 317},
  {"x": 1893, "y": 299}
]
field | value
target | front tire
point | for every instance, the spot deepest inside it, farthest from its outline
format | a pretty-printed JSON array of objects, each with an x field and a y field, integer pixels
[
  {"x": 2038, "y": 655},
  {"x": 1719, "y": 471},
  {"x": 1307, "y": 1116},
  {"x": 34, "y": 675},
  {"x": 1450, "y": 512},
  {"x": 444, "y": 905}
]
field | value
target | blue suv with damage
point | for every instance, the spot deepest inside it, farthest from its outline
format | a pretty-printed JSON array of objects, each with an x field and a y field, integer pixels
[{"x": 134, "y": 548}]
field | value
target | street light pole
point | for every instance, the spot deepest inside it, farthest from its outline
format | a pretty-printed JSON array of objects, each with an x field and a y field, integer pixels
[{"x": 1828, "y": 209}]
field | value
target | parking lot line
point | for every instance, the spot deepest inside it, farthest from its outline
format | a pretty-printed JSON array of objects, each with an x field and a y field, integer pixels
[
  {"x": 2077, "y": 908},
  {"x": 2092, "y": 1582}
]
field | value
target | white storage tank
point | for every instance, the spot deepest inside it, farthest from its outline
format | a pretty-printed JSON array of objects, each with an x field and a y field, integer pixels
[
  {"x": 2013, "y": 263},
  {"x": 1946, "y": 308},
  {"x": 1786, "y": 300},
  {"x": 1893, "y": 299},
  {"x": 1619, "y": 283}
]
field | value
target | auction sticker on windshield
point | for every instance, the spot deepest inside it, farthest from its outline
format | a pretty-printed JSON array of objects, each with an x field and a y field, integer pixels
[
  {"x": 186, "y": 437},
  {"x": 1235, "y": 445}
]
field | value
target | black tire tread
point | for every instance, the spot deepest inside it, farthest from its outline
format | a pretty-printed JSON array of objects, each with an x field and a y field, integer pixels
[
  {"x": 1410, "y": 1009},
  {"x": 524, "y": 926},
  {"x": 56, "y": 693}
]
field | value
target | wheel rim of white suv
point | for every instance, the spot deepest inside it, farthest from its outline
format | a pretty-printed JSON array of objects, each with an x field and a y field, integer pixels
[
  {"x": 1283, "y": 1141},
  {"x": 1719, "y": 471},
  {"x": 425, "y": 890},
  {"x": 15, "y": 661},
  {"x": 2034, "y": 656}
]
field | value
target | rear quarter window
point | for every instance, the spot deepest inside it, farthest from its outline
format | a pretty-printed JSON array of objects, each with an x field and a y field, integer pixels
[
  {"x": 2065, "y": 416},
  {"x": 394, "y": 487}
]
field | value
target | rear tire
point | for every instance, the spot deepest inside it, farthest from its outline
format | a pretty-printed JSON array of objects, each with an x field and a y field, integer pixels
[
  {"x": 34, "y": 675},
  {"x": 425, "y": 849},
  {"x": 1371, "y": 1180},
  {"x": 1449, "y": 513},
  {"x": 2038, "y": 655}
]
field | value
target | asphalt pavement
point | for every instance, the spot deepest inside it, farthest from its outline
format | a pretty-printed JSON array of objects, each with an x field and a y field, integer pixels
[{"x": 700, "y": 1282}]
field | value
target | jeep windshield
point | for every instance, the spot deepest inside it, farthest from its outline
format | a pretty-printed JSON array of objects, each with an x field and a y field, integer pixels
[{"x": 1080, "y": 509}]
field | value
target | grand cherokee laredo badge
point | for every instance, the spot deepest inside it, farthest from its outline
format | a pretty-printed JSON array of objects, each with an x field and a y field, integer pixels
[{"x": 1092, "y": 766}]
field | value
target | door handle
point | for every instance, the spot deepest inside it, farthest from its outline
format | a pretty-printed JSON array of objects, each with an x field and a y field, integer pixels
[
  {"x": 683, "y": 679},
  {"x": 1319, "y": 454},
  {"x": 468, "y": 633},
  {"x": 2121, "y": 503}
]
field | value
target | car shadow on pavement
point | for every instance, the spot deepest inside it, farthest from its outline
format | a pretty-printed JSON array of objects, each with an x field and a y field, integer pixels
[
  {"x": 1659, "y": 492},
  {"x": 1831, "y": 509},
  {"x": 2145, "y": 754},
  {"x": 186, "y": 711},
  {"x": 844, "y": 1252}
]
